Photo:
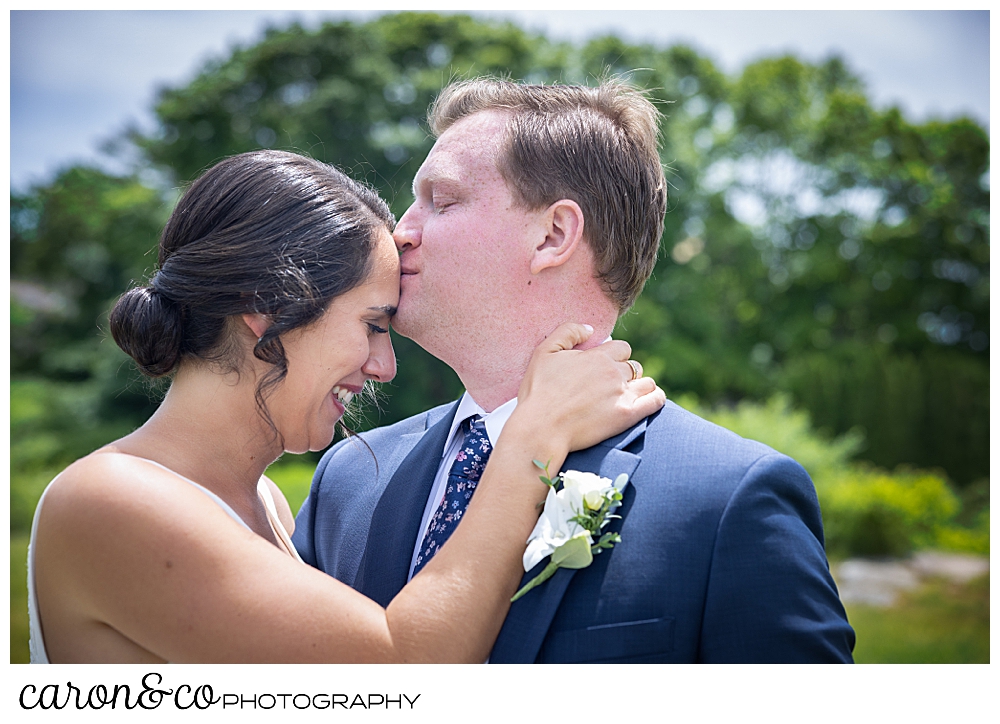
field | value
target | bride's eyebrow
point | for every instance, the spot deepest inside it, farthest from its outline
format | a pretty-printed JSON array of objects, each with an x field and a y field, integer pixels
[{"x": 386, "y": 309}]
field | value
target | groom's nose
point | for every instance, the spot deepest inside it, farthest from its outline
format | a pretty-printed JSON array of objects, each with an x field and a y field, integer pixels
[{"x": 407, "y": 231}]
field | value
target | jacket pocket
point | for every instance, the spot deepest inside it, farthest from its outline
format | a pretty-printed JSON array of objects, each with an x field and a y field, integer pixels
[{"x": 607, "y": 642}]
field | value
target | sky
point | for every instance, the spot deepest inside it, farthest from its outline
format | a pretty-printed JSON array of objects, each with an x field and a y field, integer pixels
[{"x": 79, "y": 78}]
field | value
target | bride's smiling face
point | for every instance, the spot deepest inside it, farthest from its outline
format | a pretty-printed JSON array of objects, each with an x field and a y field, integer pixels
[{"x": 330, "y": 359}]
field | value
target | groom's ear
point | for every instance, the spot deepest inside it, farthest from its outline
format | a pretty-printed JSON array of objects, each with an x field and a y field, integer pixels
[
  {"x": 563, "y": 227},
  {"x": 257, "y": 323}
]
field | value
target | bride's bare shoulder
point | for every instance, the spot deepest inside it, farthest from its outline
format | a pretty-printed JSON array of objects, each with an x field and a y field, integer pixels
[
  {"x": 104, "y": 470},
  {"x": 108, "y": 485}
]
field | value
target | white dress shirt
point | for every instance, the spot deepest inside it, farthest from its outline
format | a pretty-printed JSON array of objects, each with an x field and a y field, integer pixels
[{"x": 467, "y": 407}]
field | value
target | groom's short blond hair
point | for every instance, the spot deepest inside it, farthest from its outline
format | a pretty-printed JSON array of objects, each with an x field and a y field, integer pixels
[{"x": 598, "y": 146}]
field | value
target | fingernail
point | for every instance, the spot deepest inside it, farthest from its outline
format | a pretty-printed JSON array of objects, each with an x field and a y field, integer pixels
[{"x": 588, "y": 328}]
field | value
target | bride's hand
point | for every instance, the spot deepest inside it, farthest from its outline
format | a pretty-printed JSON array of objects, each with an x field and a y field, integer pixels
[{"x": 579, "y": 398}]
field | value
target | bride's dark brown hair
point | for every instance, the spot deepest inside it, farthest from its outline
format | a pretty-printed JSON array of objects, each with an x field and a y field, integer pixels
[{"x": 265, "y": 232}]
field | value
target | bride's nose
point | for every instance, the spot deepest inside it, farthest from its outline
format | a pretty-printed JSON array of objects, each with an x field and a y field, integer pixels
[{"x": 381, "y": 363}]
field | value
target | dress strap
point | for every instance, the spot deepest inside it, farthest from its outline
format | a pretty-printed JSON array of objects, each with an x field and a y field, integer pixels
[
  {"x": 36, "y": 641},
  {"x": 264, "y": 491}
]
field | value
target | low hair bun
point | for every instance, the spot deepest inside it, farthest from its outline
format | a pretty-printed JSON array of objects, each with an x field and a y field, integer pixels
[{"x": 147, "y": 326}]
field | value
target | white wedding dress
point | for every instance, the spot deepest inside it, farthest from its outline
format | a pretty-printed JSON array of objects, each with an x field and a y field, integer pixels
[{"x": 36, "y": 643}]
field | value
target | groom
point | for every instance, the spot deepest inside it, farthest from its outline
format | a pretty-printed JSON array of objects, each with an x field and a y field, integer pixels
[{"x": 539, "y": 205}]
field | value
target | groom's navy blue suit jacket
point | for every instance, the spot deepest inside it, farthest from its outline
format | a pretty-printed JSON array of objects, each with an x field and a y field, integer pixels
[{"x": 721, "y": 557}]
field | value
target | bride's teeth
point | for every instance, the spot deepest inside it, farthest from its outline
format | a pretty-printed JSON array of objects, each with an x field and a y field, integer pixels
[{"x": 345, "y": 396}]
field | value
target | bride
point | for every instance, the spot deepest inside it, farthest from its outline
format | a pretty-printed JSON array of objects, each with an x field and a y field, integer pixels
[{"x": 277, "y": 281}]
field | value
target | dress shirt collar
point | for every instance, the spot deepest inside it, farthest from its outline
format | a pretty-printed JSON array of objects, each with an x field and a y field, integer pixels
[{"x": 495, "y": 421}]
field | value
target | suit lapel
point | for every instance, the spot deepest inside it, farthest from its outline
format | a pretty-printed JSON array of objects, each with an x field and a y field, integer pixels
[
  {"x": 529, "y": 619},
  {"x": 396, "y": 520}
]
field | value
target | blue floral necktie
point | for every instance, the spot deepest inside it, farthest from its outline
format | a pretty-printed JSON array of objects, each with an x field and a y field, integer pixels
[{"x": 462, "y": 479}]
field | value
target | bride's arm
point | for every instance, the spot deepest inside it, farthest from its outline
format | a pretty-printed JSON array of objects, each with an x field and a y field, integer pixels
[{"x": 133, "y": 549}]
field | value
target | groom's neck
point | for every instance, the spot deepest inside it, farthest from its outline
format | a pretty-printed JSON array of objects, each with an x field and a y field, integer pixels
[
  {"x": 493, "y": 379},
  {"x": 492, "y": 390}
]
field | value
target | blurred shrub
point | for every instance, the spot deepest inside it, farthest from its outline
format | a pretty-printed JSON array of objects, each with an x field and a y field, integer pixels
[
  {"x": 870, "y": 512},
  {"x": 867, "y": 511},
  {"x": 974, "y": 538}
]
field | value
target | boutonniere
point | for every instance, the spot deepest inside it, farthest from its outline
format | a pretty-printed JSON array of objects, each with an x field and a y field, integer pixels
[{"x": 577, "y": 507}]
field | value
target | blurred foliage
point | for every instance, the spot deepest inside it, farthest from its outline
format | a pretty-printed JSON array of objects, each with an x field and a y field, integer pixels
[
  {"x": 819, "y": 246},
  {"x": 866, "y": 511},
  {"x": 813, "y": 245},
  {"x": 870, "y": 512}
]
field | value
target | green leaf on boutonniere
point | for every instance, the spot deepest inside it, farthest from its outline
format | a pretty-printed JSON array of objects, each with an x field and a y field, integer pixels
[
  {"x": 545, "y": 478},
  {"x": 574, "y": 553}
]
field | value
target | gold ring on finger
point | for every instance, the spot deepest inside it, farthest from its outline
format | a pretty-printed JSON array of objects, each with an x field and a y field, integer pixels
[{"x": 636, "y": 369}]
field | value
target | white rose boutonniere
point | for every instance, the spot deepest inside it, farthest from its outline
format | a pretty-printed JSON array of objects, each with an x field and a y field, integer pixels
[{"x": 578, "y": 506}]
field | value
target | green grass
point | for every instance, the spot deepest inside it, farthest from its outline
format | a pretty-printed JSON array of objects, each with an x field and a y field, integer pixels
[
  {"x": 19, "y": 599},
  {"x": 940, "y": 623}
]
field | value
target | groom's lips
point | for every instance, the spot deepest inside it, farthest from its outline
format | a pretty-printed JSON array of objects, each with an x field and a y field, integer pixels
[{"x": 405, "y": 272}]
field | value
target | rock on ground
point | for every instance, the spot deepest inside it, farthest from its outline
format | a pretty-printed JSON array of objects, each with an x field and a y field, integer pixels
[{"x": 879, "y": 582}]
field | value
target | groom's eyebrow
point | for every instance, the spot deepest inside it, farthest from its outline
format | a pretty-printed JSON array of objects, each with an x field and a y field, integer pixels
[{"x": 434, "y": 176}]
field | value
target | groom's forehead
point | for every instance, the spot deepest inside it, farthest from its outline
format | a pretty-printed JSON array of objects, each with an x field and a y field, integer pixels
[
  {"x": 460, "y": 160},
  {"x": 476, "y": 137},
  {"x": 438, "y": 169}
]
